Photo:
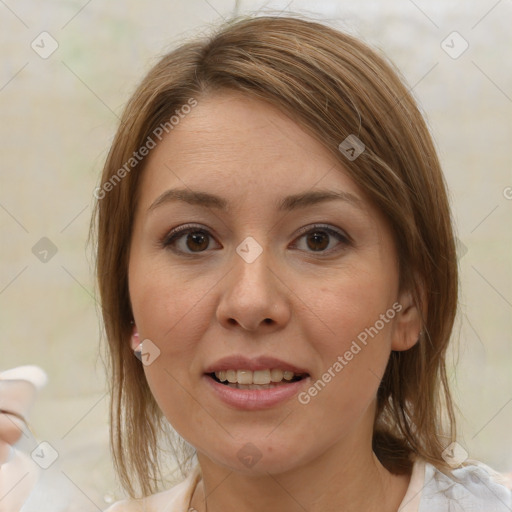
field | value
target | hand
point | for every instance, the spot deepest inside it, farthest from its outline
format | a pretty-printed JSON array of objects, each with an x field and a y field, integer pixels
[
  {"x": 11, "y": 429},
  {"x": 18, "y": 472}
]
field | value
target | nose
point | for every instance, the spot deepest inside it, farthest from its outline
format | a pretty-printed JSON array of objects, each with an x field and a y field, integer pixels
[{"x": 253, "y": 296}]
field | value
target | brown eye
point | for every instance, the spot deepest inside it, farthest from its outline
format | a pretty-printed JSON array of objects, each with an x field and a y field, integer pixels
[
  {"x": 188, "y": 240},
  {"x": 197, "y": 241},
  {"x": 318, "y": 240},
  {"x": 322, "y": 240}
]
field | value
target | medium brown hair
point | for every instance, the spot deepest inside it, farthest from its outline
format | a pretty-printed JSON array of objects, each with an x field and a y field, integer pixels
[{"x": 334, "y": 86}]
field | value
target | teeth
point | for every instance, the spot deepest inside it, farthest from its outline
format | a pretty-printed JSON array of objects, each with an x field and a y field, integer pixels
[
  {"x": 247, "y": 379},
  {"x": 276, "y": 375},
  {"x": 261, "y": 377},
  {"x": 244, "y": 377}
]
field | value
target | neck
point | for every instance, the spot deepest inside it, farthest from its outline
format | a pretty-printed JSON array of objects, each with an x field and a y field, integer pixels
[{"x": 347, "y": 477}]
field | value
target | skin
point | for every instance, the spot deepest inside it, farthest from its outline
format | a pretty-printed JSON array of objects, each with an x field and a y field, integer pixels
[
  {"x": 18, "y": 473},
  {"x": 199, "y": 308},
  {"x": 11, "y": 429}
]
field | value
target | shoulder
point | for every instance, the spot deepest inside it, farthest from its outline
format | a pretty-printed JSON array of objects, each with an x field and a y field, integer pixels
[
  {"x": 176, "y": 499},
  {"x": 474, "y": 486}
]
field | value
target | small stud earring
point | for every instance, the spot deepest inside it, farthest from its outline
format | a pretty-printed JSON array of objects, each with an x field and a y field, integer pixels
[
  {"x": 138, "y": 351},
  {"x": 136, "y": 342}
]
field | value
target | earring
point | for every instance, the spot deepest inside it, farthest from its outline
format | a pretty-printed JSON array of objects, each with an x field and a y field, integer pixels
[{"x": 138, "y": 345}]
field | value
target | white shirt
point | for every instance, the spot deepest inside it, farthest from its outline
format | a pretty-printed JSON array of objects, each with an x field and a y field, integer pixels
[{"x": 473, "y": 488}]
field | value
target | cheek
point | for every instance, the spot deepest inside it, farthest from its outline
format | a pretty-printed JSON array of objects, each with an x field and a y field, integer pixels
[
  {"x": 348, "y": 305},
  {"x": 174, "y": 313},
  {"x": 351, "y": 328},
  {"x": 168, "y": 306}
]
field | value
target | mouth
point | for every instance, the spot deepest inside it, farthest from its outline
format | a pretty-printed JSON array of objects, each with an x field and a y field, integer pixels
[
  {"x": 252, "y": 384},
  {"x": 258, "y": 379}
]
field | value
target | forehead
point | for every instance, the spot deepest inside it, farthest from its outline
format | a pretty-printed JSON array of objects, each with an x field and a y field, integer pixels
[{"x": 238, "y": 146}]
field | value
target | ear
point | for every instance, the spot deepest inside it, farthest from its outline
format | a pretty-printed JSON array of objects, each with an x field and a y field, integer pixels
[
  {"x": 135, "y": 340},
  {"x": 409, "y": 321}
]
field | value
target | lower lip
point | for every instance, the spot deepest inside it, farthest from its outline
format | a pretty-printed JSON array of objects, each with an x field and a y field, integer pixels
[{"x": 255, "y": 399}]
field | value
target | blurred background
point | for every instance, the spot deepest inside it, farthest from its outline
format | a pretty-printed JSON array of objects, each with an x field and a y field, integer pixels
[{"x": 67, "y": 69}]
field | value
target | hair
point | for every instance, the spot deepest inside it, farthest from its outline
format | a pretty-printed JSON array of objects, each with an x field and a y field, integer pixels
[{"x": 333, "y": 85}]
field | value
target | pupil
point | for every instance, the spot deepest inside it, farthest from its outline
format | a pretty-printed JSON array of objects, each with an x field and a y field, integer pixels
[
  {"x": 197, "y": 238},
  {"x": 319, "y": 241}
]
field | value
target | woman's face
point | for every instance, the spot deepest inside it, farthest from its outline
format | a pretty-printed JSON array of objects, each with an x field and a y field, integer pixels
[{"x": 281, "y": 265}]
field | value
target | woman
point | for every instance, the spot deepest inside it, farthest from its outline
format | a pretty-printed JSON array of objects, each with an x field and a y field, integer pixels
[{"x": 275, "y": 246}]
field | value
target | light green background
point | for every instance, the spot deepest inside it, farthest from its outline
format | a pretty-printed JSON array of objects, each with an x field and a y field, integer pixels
[{"x": 58, "y": 116}]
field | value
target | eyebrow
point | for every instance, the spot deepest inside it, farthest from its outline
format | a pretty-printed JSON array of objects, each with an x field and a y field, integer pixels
[{"x": 289, "y": 203}]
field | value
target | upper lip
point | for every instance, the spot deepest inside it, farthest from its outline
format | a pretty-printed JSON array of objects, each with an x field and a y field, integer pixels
[{"x": 240, "y": 362}]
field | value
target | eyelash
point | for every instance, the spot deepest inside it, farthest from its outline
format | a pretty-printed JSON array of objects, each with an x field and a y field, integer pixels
[{"x": 170, "y": 239}]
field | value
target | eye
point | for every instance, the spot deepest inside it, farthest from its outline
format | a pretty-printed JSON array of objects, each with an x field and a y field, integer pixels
[
  {"x": 321, "y": 239},
  {"x": 188, "y": 239}
]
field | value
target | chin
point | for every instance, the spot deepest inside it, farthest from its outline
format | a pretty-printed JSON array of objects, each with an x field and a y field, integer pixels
[{"x": 258, "y": 457}]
